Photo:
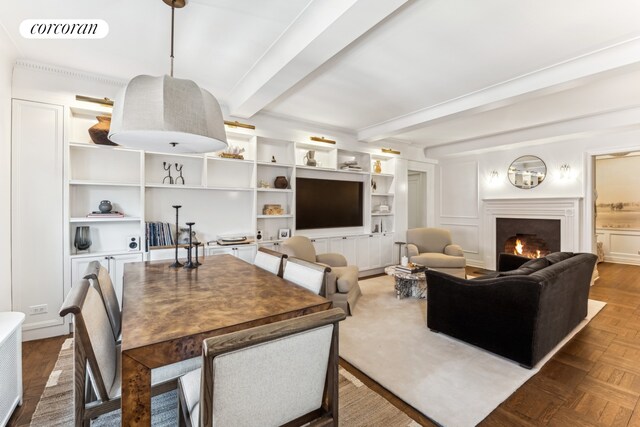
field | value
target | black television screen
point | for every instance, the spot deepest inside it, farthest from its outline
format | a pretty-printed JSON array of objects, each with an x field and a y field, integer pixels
[{"x": 325, "y": 203}]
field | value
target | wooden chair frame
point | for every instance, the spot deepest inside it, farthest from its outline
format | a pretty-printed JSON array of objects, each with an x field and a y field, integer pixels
[
  {"x": 85, "y": 405},
  {"x": 327, "y": 415},
  {"x": 111, "y": 306},
  {"x": 277, "y": 255}
]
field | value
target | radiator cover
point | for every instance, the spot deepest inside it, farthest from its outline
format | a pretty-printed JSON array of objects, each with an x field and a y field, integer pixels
[{"x": 10, "y": 364}]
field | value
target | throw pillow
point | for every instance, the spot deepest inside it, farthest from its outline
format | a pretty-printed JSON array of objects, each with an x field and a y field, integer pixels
[{"x": 558, "y": 256}]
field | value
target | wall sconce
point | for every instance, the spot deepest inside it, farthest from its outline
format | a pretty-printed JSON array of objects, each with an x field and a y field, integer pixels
[
  {"x": 389, "y": 151},
  {"x": 493, "y": 176},
  {"x": 322, "y": 139},
  {"x": 565, "y": 171},
  {"x": 237, "y": 124}
]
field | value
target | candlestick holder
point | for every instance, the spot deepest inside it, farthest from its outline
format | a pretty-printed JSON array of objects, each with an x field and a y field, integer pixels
[
  {"x": 176, "y": 264},
  {"x": 189, "y": 265},
  {"x": 197, "y": 245}
]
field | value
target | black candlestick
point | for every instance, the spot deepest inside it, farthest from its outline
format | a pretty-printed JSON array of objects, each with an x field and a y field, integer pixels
[
  {"x": 176, "y": 264},
  {"x": 190, "y": 264}
]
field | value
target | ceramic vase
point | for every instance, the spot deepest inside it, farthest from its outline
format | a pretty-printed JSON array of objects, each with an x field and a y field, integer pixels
[
  {"x": 281, "y": 182},
  {"x": 99, "y": 132}
]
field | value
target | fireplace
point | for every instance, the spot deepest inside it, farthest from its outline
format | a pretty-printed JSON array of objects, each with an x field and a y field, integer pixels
[{"x": 529, "y": 237}]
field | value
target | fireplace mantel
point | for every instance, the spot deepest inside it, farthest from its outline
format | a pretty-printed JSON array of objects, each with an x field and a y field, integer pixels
[{"x": 567, "y": 210}]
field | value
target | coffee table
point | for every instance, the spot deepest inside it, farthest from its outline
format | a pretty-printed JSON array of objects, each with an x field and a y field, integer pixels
[{"x": 407, "y": 284}]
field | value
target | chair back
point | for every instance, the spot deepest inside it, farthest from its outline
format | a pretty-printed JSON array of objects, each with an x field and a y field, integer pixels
[
  {"x": 93, "y": 339},
  {"x": 309, "y": 275},
  {"x": 429, "y": 239},
  {"x": 273, "y": 374},
  {"x": 269, "y": 260},
  {"x": 101, "y": 281},
  {"x": 299, "y": 247}
]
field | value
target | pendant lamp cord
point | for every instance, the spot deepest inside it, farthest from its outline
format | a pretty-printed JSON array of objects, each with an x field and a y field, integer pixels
[{"x": 173, "y": 9}]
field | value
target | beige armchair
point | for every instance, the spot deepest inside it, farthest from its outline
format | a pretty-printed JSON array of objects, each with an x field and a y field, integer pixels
[
  {"x": 341, "y": 285},
  {"x": 432, "y": 247}
]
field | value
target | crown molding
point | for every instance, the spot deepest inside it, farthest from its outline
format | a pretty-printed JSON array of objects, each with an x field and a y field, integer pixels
[{"x": 27, "y": 64}]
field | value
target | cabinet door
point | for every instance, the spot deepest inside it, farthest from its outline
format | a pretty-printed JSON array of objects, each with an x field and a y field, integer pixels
[
  {"x": 320, "y": 245},
  {"x": 79, "y": 266},
  {"x": 350, "y": 250},
  {"x": 37, "y": 212},
  {"x": 387, "y": 249},
  {"x": 246, "y": 253},
  {"x": 375, "y": 255},
  {"x": 220, "y": 251},
  {"x": 116, "y": 271},
  {"x": 335, "y": 245},
  {"x": 362, "y": 257}
]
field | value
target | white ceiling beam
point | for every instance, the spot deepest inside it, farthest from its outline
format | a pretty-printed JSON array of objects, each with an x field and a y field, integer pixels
[
  {"x": 607, "y": 59},
  {"x": 322, "y": 30}
]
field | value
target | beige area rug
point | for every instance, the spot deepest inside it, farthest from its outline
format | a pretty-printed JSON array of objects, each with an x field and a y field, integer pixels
[
  {"x": 449, "y": 381},
  {"x": 359, "y": 405}
]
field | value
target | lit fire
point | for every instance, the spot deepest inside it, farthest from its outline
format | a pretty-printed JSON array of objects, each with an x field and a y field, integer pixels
[{"x": 519, "y": 250}]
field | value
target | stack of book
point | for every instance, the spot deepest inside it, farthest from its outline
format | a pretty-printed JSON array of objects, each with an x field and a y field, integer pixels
[
  {"x": 410, "y": 268},
  {"x": 159, "y": 234}
]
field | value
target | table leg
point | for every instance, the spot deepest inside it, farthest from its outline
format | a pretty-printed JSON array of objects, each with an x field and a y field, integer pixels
[{"x": 136, "y": 393}]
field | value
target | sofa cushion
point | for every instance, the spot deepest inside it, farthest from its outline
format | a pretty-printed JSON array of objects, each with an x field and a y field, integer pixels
[
  {"x": 346, "y": 277},
  {"x": 527, "y": 268},
  {"x": 435, "y": 260},
  {"x": 558, "y": 256}
]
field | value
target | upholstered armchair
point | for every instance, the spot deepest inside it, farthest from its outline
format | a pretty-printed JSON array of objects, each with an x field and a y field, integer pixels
[
  {"x": 432, "y": 247},
  {"x": 341, "y": 285}
]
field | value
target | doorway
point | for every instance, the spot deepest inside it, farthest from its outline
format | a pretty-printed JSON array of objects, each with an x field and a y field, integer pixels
[{"x": 417, "y": 195}]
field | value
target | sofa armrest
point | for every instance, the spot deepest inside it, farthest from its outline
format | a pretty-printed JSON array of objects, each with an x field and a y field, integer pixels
[
  {"x": 508, "y": 262},
  {"x": 497, "y": 314},
  {"x": 453, "y": 250},
  {"x": 332, "y": 259},
  {"x": 412, "y": 250}
]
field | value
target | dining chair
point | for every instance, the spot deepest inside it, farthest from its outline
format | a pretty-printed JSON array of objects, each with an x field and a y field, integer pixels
[
  {"x": 99, "y": 277},
  {"x": 95, "y": 350},
  {"x": 307, "y": 274},
  {"x": 281, "y": 373},
  {"x": 269, "y": 260}
]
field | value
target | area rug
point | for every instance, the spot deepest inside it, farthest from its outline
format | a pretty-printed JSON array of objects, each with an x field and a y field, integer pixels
[
  {"x": 359, "y": 405},
  {"x": 449, "y": 381}
]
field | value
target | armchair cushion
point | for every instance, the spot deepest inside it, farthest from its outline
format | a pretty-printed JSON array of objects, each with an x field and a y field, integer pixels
[
  {"x": 439, "y": 260},
  {"x": 332, "y": 260},
  {"x": 453, "y": 250},
  {"x": 346, "y": 277}
]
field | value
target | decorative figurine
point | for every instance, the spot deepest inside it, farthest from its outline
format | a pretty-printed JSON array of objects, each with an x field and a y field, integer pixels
[
  {"x": 168, "y": 169},
  {"x": 175, "y": 181},
  {"x": 273, "y": 159}
]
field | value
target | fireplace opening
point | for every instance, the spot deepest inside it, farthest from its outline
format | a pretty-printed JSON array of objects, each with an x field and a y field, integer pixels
[{"x": 528, "y": 237}]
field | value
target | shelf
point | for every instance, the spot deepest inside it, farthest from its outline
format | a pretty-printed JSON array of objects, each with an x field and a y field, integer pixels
[
  {"x": 229, "y": 188},
  {"x": 85, "y": 219},
  {"x": 270, "y": 241},
  {"x": 156, "y": 153},
  {"x": 317, "y": 147},
  {"x": 318, "y": 168},
  {"x": 381, "y": 213},
  {"x": 389, "y": 175},
  {"x": 177, "y": 186},
  {"x": 275, "y": 190},
  {"x": 103, "y": 253},
  {"x": 103, "y": 183},
  {"x": 275, "y": 165},
  {"x": 382, "y": 194},
  {"x": 92, "y": 146},
  {"x": 353, "y": 172},
  {"x": 274, "y": 216},
  {"x": 222, "y": 159}
]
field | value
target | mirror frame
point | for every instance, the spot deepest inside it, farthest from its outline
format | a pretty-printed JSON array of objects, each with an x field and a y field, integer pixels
[{"x": 512, "y": 181}]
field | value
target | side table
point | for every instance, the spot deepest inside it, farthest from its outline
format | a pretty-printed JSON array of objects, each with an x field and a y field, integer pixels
[{"x": 407, "y": 284}]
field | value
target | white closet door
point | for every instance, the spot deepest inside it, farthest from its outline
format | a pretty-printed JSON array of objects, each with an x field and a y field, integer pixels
[{"x": 37, "y": 223}]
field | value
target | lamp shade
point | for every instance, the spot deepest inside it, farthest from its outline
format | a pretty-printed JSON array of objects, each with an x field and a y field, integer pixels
[{"x": 166, "y": 114}]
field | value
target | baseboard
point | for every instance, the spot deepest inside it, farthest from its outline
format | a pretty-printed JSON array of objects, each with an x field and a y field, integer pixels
[
  {"x": 37, "y": 334},
  {"x": 621, "y": 260}
]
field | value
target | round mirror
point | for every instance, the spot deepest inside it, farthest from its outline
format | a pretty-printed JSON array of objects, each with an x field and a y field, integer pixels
[{"x": 527, "y": 172}]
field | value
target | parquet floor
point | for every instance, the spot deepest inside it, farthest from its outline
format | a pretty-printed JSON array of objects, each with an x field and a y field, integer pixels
[{"x": 593, "y": 381}]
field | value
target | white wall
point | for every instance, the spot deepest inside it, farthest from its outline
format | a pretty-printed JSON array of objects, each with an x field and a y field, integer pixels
[
  {"x": 464, "y": 181},
  {"x": 7, "y": 59}
]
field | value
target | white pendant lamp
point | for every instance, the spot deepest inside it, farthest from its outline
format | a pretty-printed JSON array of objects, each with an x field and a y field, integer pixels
[{"x": 166, "y": 114}]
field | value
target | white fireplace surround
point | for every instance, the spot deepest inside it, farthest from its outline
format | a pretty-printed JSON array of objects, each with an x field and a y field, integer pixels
[{"x": 567, "y": 210}]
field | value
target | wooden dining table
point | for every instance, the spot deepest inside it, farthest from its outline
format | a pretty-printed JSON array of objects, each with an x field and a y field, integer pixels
[{"x": 168, "y": 312}]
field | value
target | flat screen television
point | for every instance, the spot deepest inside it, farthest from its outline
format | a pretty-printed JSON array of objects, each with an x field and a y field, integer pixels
[{"x": 326, "y": 203}]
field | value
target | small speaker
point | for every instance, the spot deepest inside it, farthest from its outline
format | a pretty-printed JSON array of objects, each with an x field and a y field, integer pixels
[
  {"x": 259, "y": 235},
  {"x": 133, "y": 243}
]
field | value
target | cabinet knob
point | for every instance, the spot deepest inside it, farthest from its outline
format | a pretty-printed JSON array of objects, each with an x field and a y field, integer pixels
[
  {"x": 313, "y": 240},
  {"x": 344, "y": 238}
]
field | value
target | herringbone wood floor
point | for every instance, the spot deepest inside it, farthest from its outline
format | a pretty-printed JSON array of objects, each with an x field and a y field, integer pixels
[{"x": 593, "y": 381}]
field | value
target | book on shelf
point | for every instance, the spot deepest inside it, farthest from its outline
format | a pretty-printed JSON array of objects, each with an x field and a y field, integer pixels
[
  {"x": 98, "y": 214},
  {"x": 159, "y": 234}
]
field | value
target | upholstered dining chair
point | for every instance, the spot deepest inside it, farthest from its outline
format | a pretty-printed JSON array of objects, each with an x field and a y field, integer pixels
[
  {"x": 307, "y": 274},
  {"x": 342, "y": 286},
  {"x": 281, "y": 373},
  {"x": 269, "y": 260},
  {"x": 99, "y": 277},
  {"x": 96, "y": 348}
]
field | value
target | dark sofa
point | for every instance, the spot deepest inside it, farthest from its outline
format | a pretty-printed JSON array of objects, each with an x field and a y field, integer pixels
[{"x": 520, "y": 312}]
